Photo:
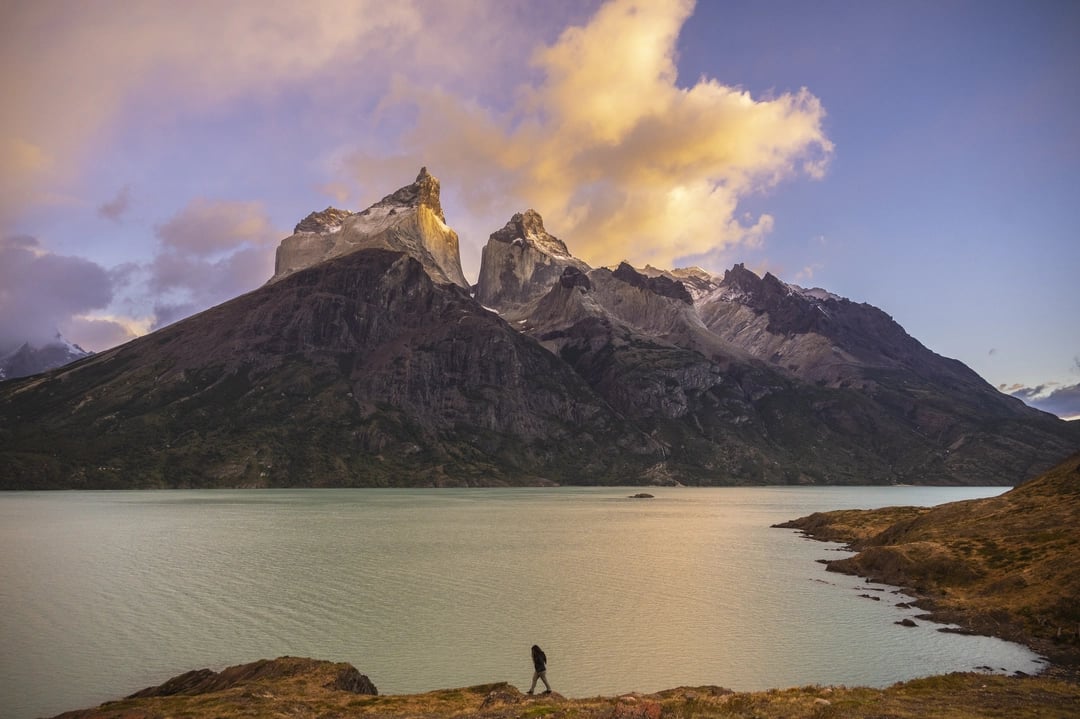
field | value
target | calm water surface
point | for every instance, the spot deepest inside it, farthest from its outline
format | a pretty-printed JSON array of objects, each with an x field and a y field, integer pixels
[{"x": 104, "y": 593}]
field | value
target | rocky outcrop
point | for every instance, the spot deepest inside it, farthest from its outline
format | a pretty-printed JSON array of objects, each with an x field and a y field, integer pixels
[
  {"x": 327, "y": 221},
  {"x": 409, "y": 220},
  {"x": 207, "y": 681},
  {"x": 349, "y": 679},
  {"x": 521, "y": 262}
]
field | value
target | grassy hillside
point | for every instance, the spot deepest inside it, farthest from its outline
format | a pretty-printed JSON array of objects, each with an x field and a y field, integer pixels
[{"x": 1007, "y": 566}]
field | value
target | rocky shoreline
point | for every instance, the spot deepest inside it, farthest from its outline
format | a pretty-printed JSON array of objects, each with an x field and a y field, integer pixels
[{"x": 1006, "y": 566}]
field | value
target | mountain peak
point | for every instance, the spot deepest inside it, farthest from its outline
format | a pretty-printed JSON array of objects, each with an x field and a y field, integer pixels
[
  {"x": 408, "y": 220},
  {"x": 30, "y": 359},
  {"x": 521, "y": 262},
  {"x": 424, "y": 191},
  {"x": 528, "y": 228},
  {"x": 740, "y": 278}
]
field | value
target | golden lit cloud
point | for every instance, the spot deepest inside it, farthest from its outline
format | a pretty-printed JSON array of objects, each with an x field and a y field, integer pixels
[{"x": 620, "y": 159}]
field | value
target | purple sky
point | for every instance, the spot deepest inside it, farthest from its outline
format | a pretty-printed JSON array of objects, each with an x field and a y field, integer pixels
[{"x": 920, "y": 156}]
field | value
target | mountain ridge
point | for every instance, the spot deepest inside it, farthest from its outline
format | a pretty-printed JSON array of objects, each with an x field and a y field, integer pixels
[{"x": 368, "y": 361}]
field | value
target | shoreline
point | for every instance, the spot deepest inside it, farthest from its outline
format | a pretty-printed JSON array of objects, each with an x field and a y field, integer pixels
[{"x": 1005, "y": 566}]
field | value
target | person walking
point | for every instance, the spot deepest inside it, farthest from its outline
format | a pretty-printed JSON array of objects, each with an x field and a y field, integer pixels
[{"x": 540, "y": 667}]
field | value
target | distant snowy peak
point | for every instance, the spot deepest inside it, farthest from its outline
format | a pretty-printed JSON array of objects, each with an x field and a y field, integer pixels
[
  {"x": 814, "y": 293},
  {"x": 698, "y": 282},
  {"x": 29, "y": 359},
  {"x": 742, "y": 285}
]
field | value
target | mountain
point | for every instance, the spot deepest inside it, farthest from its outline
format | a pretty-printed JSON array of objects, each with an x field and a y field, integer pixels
[
  {"x": 367, "y": 361},
  {"x": 30, "y": 359},
  {"x": 409, "y": 220},
  {"x": 521, "y": 261}
]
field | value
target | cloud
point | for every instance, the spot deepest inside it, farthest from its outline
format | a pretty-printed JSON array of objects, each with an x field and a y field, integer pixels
[
  {"x": 1062, "y": 400},
  {"x": 619, "y": 158},
  {"x": 211, "y": 251},
  {"x": 206, "y": 227},
  {"x": 40, "y": 292},
  {"x": 110, "y": 66},
  {"x": 115, "y": 208},
  {"x": 807, "y": 273},
  {"x": 64, "y": 99},
  {"x": 99, "y": 333}
]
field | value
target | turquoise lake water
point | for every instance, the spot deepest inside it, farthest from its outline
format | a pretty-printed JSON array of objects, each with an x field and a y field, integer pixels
[{"x": 104, "y": 593}]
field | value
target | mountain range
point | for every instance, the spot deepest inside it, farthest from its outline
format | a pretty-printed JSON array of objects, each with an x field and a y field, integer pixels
[{"x": 368, "y": 360}]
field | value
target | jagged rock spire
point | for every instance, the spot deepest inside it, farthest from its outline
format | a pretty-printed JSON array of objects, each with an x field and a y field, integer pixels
[
  {"x": 424, "y": 191},
  {"x": 409, "y": 220},
  {"x": 521, "y": 262}
]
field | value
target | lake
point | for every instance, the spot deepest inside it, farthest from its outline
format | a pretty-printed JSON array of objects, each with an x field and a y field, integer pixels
[{"x": 104, "y": 593}]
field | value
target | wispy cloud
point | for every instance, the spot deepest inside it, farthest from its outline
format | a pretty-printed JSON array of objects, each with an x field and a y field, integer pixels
[
  {"x": 115, "y": 208},
  {"x": 211, "y": 251}
]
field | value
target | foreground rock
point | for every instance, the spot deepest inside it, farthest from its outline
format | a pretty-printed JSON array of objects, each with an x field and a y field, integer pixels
[
  {"x": 293, "y": 687},
  {"x": 1006, "y": 566}
]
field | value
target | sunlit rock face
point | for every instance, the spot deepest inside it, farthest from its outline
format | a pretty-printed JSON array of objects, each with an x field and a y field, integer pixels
[
  {"x": 409, "y": 220},
  {"x": 521, "y": 262}
]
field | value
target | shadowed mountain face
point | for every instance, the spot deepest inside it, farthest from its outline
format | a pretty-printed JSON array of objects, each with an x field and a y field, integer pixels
[
  {"x": 360, "y": 371},
  {"x": 365, "y": 362}
]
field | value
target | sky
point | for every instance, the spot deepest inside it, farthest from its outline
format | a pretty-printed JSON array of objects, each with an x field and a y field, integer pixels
[{"x": 923, "y": 157}]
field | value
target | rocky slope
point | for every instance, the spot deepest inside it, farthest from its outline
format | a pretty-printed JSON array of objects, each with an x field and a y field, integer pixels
[
  {"x": 295, "y": 687},
  {"x": 366, "y": 362}
]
